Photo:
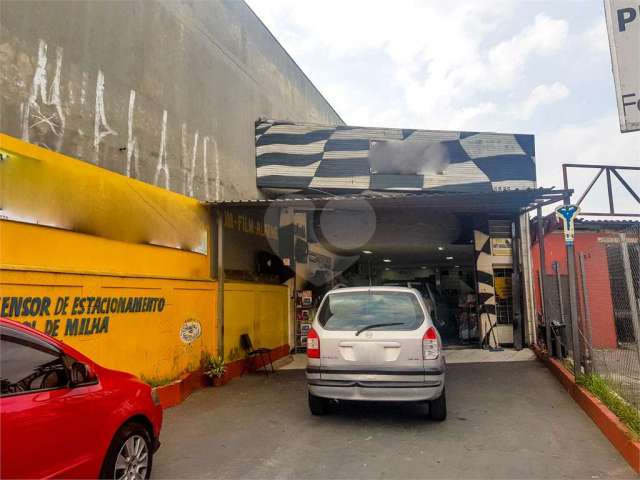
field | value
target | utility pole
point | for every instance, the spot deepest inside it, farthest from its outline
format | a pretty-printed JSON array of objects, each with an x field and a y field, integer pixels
[
  {"x": 573, "y": 304},
  {"x": 567, "y": 214}
]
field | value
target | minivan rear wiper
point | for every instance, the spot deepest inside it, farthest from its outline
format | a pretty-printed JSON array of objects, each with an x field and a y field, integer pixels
[{"x": 376, "y": 325}]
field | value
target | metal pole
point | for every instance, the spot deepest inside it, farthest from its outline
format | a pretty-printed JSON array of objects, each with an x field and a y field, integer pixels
[
  {"x": 220, "y": 299},
  {"x": 633, "y": 301},
  {"x": 556, "y": 269},
  {"x": 547, "y": 321},
  {"x": 542, "y": 311},
  {"x": 610, "y": 192},
  {"x": 516, "y": 299},
  {"x": 573, "y": 304},
  {"x": 587, "y": 315}
]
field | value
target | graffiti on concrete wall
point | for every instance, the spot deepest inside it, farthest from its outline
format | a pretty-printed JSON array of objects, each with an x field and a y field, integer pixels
[
  {"x": 56, "y": 117},
  {"x": 101, "y": 128},
  {"x": 43, "y": 108}
]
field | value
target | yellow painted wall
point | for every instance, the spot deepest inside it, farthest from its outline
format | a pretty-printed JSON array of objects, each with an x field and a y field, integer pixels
[
  {"x": 33, "y": 247},
  {"x": 257, "y": 309},
  {"x": 76, "y": 231},
  {"x": 146, "y": 344},
  {"x": 42, "y": 187},
  {"x": 70, "y": 229}
]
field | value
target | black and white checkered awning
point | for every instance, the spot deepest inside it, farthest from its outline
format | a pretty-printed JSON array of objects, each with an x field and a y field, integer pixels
[{"x": 311, "y": 158}]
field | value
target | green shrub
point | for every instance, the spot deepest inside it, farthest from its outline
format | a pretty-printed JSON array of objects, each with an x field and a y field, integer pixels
[
  {"x": 214, "y": 366},
  {"x": 628, "y": 414}
]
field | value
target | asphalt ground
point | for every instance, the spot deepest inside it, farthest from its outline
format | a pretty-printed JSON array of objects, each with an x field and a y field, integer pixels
[{"x": 506, "y": 420}]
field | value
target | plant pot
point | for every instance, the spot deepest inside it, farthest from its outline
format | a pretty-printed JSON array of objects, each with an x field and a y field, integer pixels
[{"x": 218, "y": 381}]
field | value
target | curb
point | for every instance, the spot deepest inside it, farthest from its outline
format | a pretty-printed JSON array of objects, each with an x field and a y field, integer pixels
[
  {"x": 176, "y": 392},
  {"x": 612, "y": 428}
]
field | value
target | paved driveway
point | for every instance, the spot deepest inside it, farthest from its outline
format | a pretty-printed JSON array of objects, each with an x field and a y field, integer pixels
[{"x": 506, "y": 420}]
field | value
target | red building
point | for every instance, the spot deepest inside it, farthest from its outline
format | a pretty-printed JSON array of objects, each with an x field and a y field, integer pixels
[{"x": 599, "y": 270}]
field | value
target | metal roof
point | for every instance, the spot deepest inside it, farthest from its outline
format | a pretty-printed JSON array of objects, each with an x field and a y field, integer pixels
[
  {"x": 551, "y": 224},
  {"x": 507, "y": 201}
]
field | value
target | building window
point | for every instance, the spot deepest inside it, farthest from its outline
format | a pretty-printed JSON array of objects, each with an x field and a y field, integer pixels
[{"x": 504, "y": 295}]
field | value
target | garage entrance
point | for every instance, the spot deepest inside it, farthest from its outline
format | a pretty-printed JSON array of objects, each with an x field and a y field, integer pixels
[
  {"x": 352, "y": 206},
  {"x": 463, "y": 252}
]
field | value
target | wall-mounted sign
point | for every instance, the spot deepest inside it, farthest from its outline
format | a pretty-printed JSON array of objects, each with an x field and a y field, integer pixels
[
  {"x": 250, "y": 224},
  {"x": 190, "y": 331},
  {"x": 73, "y": 316},
  {"x": 503, "y": 287},
  {"x": 501, "y": 247},
  {"x": 623, "y": 26}
]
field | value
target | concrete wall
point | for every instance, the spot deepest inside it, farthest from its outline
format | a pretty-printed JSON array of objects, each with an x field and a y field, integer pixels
[{"x": 165, "y": 92}]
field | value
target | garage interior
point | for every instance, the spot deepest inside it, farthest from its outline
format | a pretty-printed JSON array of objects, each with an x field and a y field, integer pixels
[{"x": 462, "y": 251}]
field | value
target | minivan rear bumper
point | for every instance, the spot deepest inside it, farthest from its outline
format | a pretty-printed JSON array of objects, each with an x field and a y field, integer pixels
[{"x": 378, "y": 390}]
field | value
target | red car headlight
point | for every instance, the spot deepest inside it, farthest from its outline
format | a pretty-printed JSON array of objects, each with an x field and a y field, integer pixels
[{"x": 155, "y": 397}]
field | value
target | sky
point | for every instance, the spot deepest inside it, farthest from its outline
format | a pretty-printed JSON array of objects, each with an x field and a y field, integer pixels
[{"x": 537, "y": 67}]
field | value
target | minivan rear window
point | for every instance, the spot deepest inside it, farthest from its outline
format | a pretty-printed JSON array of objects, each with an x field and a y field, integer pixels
[{"x": 355, "y": 310}]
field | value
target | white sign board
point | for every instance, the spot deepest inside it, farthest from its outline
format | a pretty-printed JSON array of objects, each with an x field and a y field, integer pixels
[{"x": 623, "y": 25}]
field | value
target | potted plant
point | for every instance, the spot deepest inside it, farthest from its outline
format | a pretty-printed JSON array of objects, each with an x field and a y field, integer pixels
[{"x": 215, "y": 369}]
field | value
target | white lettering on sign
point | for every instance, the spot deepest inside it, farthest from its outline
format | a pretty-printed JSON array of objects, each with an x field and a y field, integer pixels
[{"x": 623, "y": 26}]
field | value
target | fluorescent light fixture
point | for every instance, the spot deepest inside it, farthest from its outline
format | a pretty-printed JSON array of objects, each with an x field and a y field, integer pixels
[
  {"x": 423, "y": 267},
  {"x": 367, "y": 252},
  {"x": 386, "y": 260},
  {"x": 387, "y": 268},
  {"x": 457, "y": 266},
  {"x": 441, "y": 248},
  {"x": 449, "y": 258}
]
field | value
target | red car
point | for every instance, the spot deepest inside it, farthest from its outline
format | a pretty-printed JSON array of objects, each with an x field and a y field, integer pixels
[{"x": 62, "y": 415}]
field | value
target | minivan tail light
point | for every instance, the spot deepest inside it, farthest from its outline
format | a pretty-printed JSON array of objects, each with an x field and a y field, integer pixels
[
  {"x": 313, "y": 344},
  {"x": 430, "y": 344}
]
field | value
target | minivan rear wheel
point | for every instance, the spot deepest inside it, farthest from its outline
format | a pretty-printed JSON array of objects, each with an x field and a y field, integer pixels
[
  {"x": 438, "y": 407},
  {"x": 318, "y": 405}
]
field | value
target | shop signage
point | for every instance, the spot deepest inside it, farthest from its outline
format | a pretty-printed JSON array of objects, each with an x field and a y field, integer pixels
[
  {"x": 74, "y": 316},
  {"x": 501, "y": 247},
  {"x": 502, "y": 286},
  {"x": 623, "y": 26},
  {"x": 617, "y": 240},
  {"x": 249, "y": 224}
]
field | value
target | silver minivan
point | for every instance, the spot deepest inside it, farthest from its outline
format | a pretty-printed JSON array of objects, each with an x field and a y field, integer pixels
[{"x": 375, "y": 344}]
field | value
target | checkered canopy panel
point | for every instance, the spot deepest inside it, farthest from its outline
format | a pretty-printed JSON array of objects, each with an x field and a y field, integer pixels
[{"x": 306, "y": 157}]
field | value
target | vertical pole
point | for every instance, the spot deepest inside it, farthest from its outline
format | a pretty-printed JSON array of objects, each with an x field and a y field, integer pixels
[
  {"x": 573, "y": 306},
  {"x": 556, "y": 269},
  {"x": 610, "y": 193},
  {"x": 633, "y": 301},
  {"x": 516, "y": 291},
  {"x": 587, "y": 315},
  {"x": 530, "y": 319},
  {"x": 220, "y": 303},
  {"x": 542, "y": 310},
  {"x": 543, "y": 279}
]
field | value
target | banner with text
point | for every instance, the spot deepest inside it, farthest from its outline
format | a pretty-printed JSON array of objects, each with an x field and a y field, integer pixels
[{"x": 623, "y": 26}]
